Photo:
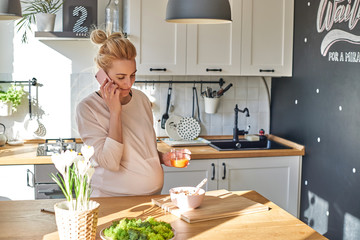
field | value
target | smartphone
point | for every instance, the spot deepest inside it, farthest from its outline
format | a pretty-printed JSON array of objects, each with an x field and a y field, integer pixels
[{"x": 101, "y": 76}]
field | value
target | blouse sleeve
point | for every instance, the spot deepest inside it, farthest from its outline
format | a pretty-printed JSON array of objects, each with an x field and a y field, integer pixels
[{"x": 108, "y": 152}]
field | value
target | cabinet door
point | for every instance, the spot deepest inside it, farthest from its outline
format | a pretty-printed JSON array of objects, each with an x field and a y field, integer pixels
[
  {"x": 192, "y": 175},
  {"x": 276, "y": 178},
  {"x": 14, "y": 182},
  {"x": 267, "y": 37},
  {"x": 215, "y": 47},
  {"x": 160, "y": 45}
]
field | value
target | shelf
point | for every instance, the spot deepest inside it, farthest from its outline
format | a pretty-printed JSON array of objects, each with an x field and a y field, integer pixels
[{"x": 61, "y": 36}]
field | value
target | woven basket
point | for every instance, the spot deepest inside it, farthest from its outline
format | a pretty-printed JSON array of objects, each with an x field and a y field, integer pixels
[{"x": 76, "y": 225}]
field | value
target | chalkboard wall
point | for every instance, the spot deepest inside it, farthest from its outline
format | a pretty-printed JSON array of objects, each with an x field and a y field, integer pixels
[{"x": 319, "y": 107}]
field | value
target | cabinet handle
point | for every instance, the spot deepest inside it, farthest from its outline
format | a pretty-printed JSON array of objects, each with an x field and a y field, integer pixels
[
  {"x": 224, "y": 176},
  {"x": 158, "y": 69},
  {"x": 213, "y": 171},
  {"x": 214, "y": 70},
  {"x": 267, "y": 70},
  {"x": 28, "y": 178}
]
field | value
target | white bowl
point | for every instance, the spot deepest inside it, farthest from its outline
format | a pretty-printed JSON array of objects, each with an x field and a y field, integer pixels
[{"x": 182, "y": 197}]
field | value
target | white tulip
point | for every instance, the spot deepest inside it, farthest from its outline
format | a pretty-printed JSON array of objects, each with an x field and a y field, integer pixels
[
  {"x": 59, "y": 163},
  {"x": 82, "y": 166},
  {"x": 87, "y": 151}
]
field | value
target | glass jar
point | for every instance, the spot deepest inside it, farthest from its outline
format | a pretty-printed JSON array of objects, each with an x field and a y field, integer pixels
[{"x": 112, "y": 17}]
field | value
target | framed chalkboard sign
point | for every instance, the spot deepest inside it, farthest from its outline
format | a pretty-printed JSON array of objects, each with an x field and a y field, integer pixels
[{"x": 79, "y": 16}]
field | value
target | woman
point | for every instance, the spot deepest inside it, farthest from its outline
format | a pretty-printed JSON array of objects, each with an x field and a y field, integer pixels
[{"x": 118, "y": 122}]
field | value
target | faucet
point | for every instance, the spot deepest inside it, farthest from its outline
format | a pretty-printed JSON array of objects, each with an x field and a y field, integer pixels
[{"x": 236, "y": 131}]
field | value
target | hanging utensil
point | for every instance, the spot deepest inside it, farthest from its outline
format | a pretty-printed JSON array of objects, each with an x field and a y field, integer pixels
[
  {"x": 41, "y": 131},
  {"x": 165, "y": 116},
  {"x": 188, "y": 127},
  {"x": 32, "y": 124},
  {"x": 222, "y": 91}
]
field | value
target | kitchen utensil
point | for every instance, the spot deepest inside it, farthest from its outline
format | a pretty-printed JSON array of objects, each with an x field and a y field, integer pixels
[
  {"x": 165, "y": 116},
  {"x": 3, "y": 137},
  {"x": 32, "y": 124},
  {"x": 41, "y": 131},
  {"x": 197, "y": 188},
  {"x": 188, "y": 127},
  {"x": 216, "y": 204},
  {"x": 222, "y": 91},
  {"x": 171, "y": 127}
]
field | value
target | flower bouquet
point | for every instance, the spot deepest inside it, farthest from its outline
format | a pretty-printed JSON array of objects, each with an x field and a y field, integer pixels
[{"x": 76, "y": 218}]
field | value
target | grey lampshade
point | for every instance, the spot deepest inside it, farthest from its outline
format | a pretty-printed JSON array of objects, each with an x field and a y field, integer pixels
[
  {"x": 198, "y": 11},
  {"x": 10, "y": 9}
]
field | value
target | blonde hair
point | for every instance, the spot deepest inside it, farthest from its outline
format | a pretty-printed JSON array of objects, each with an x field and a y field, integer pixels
[{"x": 114, "y": 46}]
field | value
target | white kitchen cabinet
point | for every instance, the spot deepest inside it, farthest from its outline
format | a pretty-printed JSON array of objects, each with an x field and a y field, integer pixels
[
  {"x": 14, "y": 182},
  {"x": 193, "y": 174},
  {"x": 276, "y": 178},
  {"x": 178, "y": 49},
  {"x": 160, "y": 45},
  {"x": 214, "y": 49},
  {"x": 267, "y": 37}
]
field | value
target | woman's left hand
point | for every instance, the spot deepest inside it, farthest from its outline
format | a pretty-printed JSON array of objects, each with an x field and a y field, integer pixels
[{"x": 165, "y": 158}]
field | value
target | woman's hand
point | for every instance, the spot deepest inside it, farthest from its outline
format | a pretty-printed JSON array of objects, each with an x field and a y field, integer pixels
[
  {"x": 110, "y": 92},
  {"x": 165, "y": 158}
]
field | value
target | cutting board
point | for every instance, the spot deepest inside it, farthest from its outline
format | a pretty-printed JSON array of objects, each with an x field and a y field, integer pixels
[
  {"x": 216, "y": 204},
  {"x": 184, "y": 143}
]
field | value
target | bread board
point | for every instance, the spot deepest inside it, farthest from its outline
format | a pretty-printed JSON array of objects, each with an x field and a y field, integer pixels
[{"x": 216, "y": 204}]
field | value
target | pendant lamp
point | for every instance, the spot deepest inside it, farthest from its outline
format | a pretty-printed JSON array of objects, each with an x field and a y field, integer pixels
[
  {"x": 198, "y": 11},
  {"x": 10, "y": 9}
]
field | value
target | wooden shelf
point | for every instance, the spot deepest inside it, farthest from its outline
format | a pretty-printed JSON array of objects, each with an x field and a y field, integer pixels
[{"x": 61, "y": 36}]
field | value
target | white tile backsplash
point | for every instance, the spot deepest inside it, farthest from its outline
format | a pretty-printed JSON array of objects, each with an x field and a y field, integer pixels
[{"x": 244, "y": 92}]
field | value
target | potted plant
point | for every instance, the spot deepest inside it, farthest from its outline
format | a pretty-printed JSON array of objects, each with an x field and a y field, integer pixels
[
  {"x": 41, "y": 12},
  {"x": 10, "y": 100},
  {"x": 77, "y": 216}
]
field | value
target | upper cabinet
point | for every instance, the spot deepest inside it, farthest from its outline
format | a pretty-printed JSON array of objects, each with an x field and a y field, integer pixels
[
  {"x": 160, "y": 45},
  {"x": 214, "y": 49},
  {"x": 267, "y": 37},
  {"x": 257, "y": 42}
]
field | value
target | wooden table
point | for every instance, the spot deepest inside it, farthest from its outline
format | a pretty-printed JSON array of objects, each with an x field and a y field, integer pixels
[{"x": 24, "y": 220}]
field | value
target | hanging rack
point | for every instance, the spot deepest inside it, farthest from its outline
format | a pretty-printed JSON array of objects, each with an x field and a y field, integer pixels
[
  {"x": 220, "y": 81},
  {"x": 33, "y": 81}
]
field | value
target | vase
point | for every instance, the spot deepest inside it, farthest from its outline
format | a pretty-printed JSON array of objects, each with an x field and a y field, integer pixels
[
  {"x": 5, "y": 108},
  {"x": 45, "y": 22},
  {"x": 76, "y": 225}
]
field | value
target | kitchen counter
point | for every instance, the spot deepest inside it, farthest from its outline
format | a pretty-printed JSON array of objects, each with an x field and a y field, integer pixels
[
  {"x": 26, "y": 154},
  {"x": 24, "y": 220}
]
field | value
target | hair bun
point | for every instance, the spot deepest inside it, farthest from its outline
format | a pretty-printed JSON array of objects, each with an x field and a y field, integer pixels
[{"x": 98, "y": 36}]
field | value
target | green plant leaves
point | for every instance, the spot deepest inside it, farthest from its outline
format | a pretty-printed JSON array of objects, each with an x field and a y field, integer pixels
[{"x": 14, "y": 94}]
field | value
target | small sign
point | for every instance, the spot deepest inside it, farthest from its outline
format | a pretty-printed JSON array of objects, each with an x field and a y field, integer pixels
[{"x": 79, "y": 16}]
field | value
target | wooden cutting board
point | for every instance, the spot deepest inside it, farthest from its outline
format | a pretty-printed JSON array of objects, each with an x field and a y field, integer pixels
[{"x": 216, "y": 204}]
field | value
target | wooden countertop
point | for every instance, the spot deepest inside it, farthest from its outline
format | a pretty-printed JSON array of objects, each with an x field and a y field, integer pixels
[
  {"x": 26, "y": 154},
  {"x": 24, "y": 220}
]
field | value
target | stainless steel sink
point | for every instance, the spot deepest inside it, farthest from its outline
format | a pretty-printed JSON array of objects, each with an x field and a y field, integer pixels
[{"x": 242, "y": 144}]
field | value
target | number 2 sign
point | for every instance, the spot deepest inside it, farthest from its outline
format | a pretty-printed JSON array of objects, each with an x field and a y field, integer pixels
[{"x": 79, "y": 16}]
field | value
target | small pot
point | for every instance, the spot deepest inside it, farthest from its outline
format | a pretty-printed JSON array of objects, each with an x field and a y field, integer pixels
[
  {"x": 45, "y": 22},
  {"x": 3, "y": 137}
]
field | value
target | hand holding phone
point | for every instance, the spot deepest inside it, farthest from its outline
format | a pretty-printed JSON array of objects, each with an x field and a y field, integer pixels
[{"x": 101, "y": 76}]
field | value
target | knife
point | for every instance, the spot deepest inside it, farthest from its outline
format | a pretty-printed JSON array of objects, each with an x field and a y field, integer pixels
[{"x": 222, "y": 91}]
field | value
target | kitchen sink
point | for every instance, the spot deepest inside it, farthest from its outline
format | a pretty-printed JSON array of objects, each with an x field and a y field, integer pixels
[{"x": 242, "y": 144}]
